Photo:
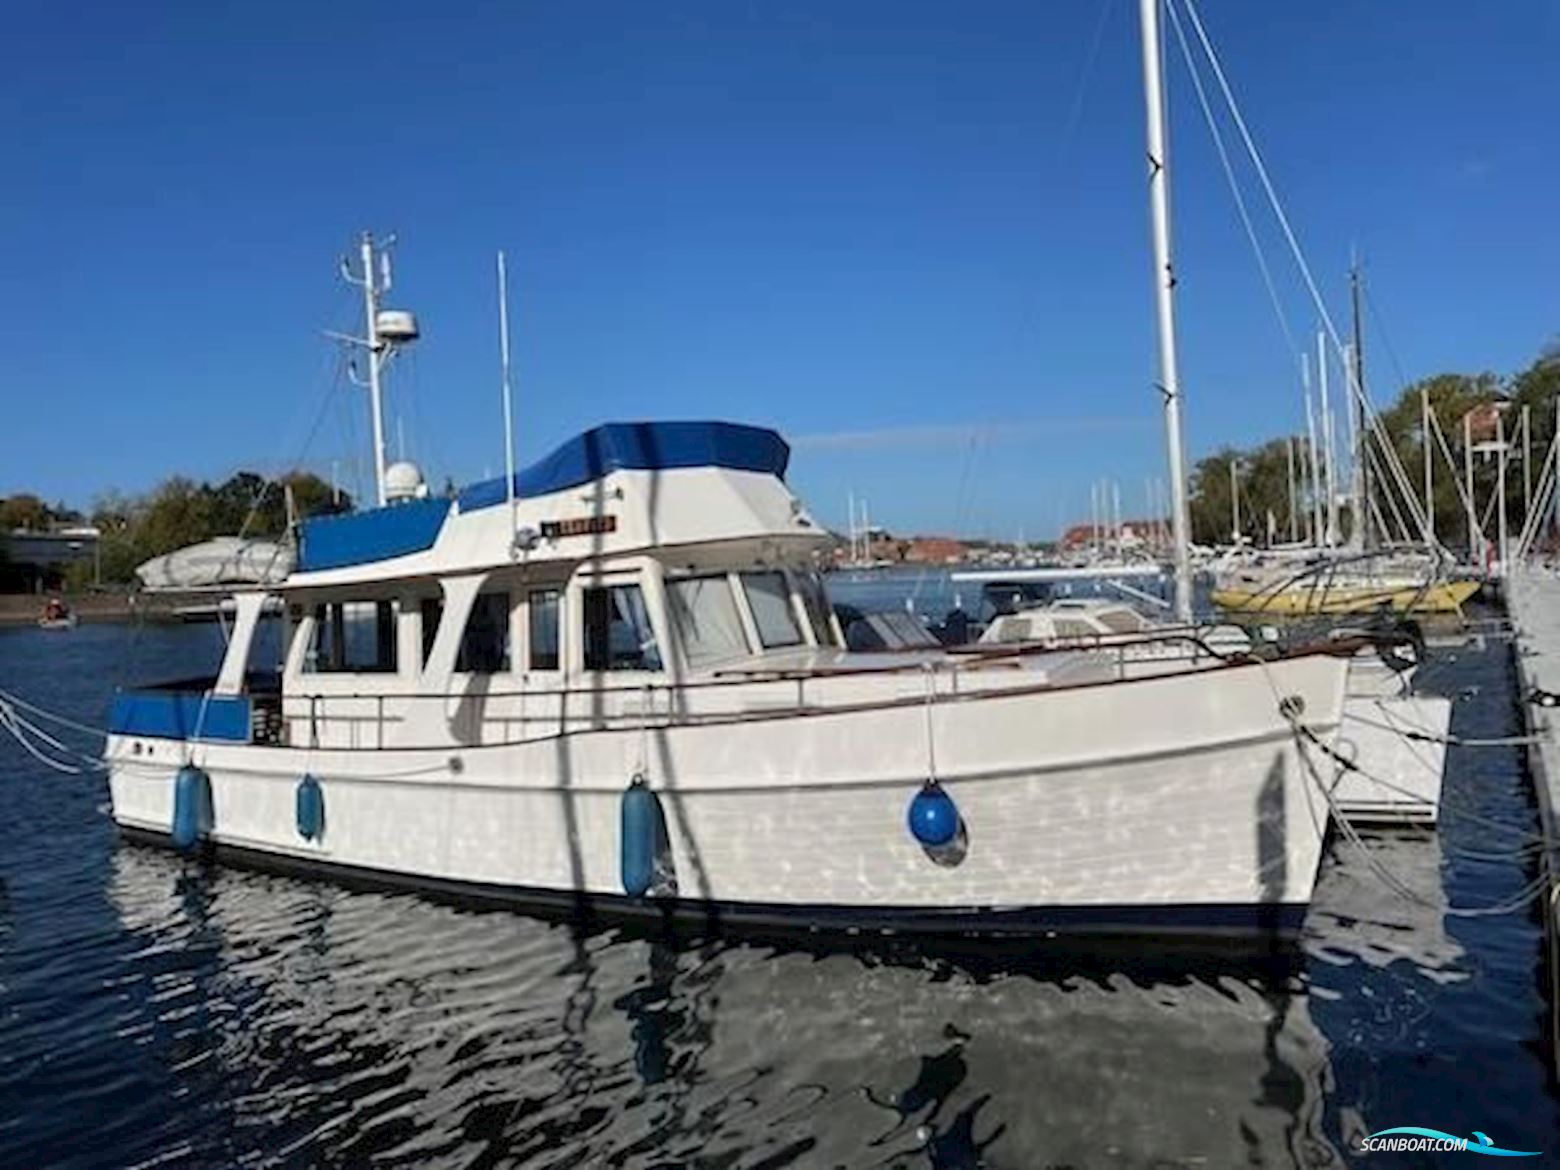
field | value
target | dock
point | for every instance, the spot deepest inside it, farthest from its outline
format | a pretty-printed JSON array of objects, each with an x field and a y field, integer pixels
[{"x": 1533, "y": 601}]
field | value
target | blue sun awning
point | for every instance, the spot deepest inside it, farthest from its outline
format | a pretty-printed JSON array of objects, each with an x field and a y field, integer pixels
[{"x": 641, "y": 446}]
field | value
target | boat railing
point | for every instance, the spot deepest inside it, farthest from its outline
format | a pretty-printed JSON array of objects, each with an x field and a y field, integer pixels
[{"x": 374, "y": 720}]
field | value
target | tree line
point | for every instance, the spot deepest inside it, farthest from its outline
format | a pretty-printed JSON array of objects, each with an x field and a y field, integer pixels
[
  {"x": 1262, "y": 473},
  {"x": 178, "y": 512}
]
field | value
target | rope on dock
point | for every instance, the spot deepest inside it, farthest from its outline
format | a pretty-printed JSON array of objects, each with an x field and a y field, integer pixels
[
  {"x": 1542, "y": 885},
  {"x": 43, "y": 746},
  {"x": 1450, "y": 740}
]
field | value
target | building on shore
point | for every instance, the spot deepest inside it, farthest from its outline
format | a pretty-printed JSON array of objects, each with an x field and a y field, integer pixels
[{"x": 36, "y": 562}]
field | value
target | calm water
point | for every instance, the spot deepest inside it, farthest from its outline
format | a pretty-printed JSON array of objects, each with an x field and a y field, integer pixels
[{"x": 153, "y": 1012}]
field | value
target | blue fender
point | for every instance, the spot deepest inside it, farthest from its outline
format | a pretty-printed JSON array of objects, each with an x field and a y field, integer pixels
[
  {"x": 643, "y": 838},
  {"x": 191, "y": 807},
  {"x": 310, "y": 809}
]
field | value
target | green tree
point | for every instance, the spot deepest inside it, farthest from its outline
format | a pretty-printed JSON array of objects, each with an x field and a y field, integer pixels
[
  {"x": 312, "y": 496},
  {"x": 24, "y": 511}
]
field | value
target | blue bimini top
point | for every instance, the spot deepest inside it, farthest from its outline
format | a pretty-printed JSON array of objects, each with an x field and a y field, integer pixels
[{"x": 642, "y": 446}]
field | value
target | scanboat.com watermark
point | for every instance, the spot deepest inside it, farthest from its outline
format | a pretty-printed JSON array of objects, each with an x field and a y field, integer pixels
[{"x": 1416, "y": 1139}]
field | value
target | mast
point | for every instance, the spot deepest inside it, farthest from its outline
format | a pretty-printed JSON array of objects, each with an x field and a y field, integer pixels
[
  {"x": 1234, "y": 502},
  {"x": 375, "y": 355},
  {"x": 1329, "y": 452},
  {"x": 1115, "y": 495},
  {"x": 1527, "y": 459},
  {"x": 1475, "y": 537},
  {"x": 384, "y": 330},
  {"x": 1316, "y": 472},
  {"x": 1294, "y": 516},
  {"x": 1359, "y": 538},
  {"x": 1424, "y": 426},
  {"x": 509, "y": 410},
  {"x": 1500, "y": 489},
  {"x": 1164, "y": 289}
]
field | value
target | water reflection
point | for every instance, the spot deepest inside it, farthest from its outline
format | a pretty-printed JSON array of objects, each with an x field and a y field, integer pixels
[
  {"x": 360, "y": 1025},
  {"x": 158, "y": 1013}
]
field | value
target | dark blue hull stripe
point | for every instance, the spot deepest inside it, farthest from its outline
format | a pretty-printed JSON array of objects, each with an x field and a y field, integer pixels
[{"x": 1240, "y": 924}]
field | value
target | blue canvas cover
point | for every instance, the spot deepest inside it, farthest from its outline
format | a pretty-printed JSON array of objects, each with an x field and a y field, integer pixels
[
  {"x": 640, "y": 446},
  {"x": 333, "y": 542}
]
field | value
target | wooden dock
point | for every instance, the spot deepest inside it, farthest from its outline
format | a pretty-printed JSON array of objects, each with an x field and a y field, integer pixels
[{"x": 1533, "y": 601}]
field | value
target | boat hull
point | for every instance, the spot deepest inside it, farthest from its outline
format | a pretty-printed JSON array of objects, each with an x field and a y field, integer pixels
[
  {"x": 1162, "y": 805},
  {"x": 1193, "y": 923},
  {"x": 1447, "y": 597}
]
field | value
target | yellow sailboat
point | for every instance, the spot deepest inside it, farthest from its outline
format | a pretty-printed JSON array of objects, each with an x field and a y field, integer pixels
[{"x": 1318, "y": 596}]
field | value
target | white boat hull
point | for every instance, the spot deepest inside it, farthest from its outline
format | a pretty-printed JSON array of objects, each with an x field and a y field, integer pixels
[{"x": 1157, "y": 804}]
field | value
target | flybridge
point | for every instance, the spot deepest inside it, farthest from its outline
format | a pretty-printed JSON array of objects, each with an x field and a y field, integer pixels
[
  {"x": 639, "y": 446},
  {"x": 335, "y": 542}
]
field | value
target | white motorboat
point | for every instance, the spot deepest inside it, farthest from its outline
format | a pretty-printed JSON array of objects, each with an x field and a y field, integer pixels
[
  {"x": 477, "y": 691},
  {"x": 612, "y": 684}
]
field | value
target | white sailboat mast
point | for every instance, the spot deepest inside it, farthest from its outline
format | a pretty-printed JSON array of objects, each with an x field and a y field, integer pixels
[
  {"x": 1359, "y": 532},
  {"x": 1424, "y": 426},
  {"x": 1164, "y": 289},
  {"x": 1235, "y": 501},
  {"x": 1329, "y": 450},
  {"x": 1316, "y": 470},
  {"x": 375, "y": 355},
  {"x": 508, "y": 393}
]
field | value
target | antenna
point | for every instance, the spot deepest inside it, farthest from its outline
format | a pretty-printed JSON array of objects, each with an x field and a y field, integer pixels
[
  {"x": 384, "y": 330},
  {"x": 509, "y": 421}
]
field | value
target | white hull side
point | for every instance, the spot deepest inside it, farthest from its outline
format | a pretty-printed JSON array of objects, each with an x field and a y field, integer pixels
[{"x": 1172, "y": 791}]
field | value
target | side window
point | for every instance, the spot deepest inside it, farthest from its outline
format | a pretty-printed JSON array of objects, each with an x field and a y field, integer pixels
[
  {"x": 704, "y": 613},
  {"x": 484, "y": 647},
  {"x": 432, "y": 615},
  {"x": 815, "y": 600},
  {"x": 770, "y": 601},
  {"x": 617, "y": 630},
  {"x": 356, "y": 637},
  {"x": 542, "y": 605}
]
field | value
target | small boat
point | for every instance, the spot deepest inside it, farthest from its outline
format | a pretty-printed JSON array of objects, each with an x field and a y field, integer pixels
[
  {"x": 57, "y": 616},
  {"x": 1334, "y": 583}
]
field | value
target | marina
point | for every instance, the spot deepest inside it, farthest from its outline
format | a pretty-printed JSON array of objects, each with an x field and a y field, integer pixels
[
  {"x": 546, "y": 776},
  {"x": 388, "y": 1026}
]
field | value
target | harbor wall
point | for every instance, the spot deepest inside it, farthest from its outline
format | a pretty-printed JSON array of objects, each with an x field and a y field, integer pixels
[{"x": 1533, "y": 601}]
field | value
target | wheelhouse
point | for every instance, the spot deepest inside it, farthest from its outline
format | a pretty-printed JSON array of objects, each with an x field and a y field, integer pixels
[{"x": 635, "y": 558}]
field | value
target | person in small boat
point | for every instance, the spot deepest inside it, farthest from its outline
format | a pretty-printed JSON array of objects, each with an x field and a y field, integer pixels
[{"x": 55, "y": 610}]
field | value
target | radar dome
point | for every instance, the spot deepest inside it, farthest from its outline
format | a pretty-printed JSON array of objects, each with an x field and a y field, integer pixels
[
  {"x": 404, "y": 481},
  {"x": 396, "y": 326}
]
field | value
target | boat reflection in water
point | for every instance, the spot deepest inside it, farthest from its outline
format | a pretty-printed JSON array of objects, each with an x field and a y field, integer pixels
[{"x": 333, "y": 1024}]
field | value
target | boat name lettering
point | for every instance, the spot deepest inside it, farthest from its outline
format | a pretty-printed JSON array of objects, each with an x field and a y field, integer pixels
[{"x": 581, "y": 526}]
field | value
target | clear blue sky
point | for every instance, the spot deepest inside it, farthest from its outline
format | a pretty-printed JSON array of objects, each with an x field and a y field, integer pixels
[{"x": 911, "y": 235}]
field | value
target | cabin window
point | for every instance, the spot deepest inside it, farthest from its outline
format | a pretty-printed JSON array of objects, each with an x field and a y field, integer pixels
[
  {"x": 770, "y": 600},
  {"x": 705, "y": 614},
  {"x": 432, "y": 615},
  {"x": 816, "y": 602},
  {"x": 618, "y": 634},
  {"x": 543, "y": 607},
  {"x": 1122, "y": 621},
  {"x": 484, "y": 647},
  {"x": 1073, "y": 628},
  {"x": 353, "y": 637}
]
